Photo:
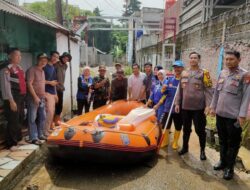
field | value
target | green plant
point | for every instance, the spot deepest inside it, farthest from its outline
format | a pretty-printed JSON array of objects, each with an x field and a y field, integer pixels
[
  {"x": 211, "y": 122},
  {"x": 128, "y": 70}
]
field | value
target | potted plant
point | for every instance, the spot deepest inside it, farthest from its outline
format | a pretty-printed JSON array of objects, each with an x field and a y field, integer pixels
[{"x": 211, "y": 130}]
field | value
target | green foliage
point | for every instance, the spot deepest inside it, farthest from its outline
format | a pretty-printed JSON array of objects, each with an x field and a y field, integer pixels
[
  {"x": 211, "y": 122},
  {"x": 134, "y": 5},
  {"x": 110, "y": 42},
  {"x": 48, "y": 10},
  {"x": 128, "y": 70},
  {"x": 119, "y": 42},
  {"x": 100, "y": 39}
]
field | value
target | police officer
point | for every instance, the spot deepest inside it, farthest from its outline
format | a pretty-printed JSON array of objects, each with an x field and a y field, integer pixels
[
  {"x": 194, "y": 96},
  {"x": 230, "y": 104},
  {"x": 101, "y": 87},
  {"x": 13, "y": 88}
]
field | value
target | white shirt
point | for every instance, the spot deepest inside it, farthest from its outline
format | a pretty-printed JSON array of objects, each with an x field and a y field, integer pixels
[{"x": 136, "y": 85}]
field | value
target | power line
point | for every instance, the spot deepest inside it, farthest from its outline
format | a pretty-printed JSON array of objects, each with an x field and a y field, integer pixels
[
  {"x": 116, "y": 6},
  {"x": 86, "y": 1},
  {"x": 112, "y": 6}
]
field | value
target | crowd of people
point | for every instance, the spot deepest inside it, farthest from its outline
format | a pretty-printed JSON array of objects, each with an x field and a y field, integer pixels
[
  {"x": 40, "y": 89},
  {"x": 186, "y": 96}
]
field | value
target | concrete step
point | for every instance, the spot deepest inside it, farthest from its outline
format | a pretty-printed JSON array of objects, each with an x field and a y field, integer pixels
[
  {"x": 13, "y": 163},
  {"x": 244, "y": 155}
]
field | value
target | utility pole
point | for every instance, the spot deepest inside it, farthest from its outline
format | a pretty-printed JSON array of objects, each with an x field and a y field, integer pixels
[
  {"x": 59, "y": 16},
  {"x": 134, "y": 44}
]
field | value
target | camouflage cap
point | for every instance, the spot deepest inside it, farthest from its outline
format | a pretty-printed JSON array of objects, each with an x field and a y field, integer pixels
[
  {"x": 41, "y": 56},
  {"x": 102, "y": 67}
]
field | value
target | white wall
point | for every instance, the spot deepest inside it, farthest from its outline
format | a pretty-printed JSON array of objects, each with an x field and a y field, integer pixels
[
  {"x": 62, "y": 46},
  {"x": 26, "y": 61}
]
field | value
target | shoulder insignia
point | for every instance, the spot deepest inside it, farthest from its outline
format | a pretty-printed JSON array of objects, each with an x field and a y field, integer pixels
[
  {"x": 237, "y": 77},
  {"x": 224, "y": 73}
]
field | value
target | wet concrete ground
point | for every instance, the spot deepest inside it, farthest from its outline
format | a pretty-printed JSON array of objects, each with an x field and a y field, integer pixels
[{"x": 166, "y": 172}]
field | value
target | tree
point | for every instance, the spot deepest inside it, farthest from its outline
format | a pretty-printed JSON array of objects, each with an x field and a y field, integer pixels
[
  {"x": 100, "y": 39},
  {"x": 133, "y": 6},
  {"x": 47, "y": 9}
]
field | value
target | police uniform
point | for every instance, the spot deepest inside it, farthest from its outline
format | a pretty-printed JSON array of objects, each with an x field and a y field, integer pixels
[
  {"x": 101, "y": 94},
  {"x": 230, "y": 101},
  {"x": 13, "y": 86},
  {"x": 194, "y": 95}
]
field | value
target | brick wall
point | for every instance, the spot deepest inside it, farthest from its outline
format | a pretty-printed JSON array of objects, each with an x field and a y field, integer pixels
[{"x": 206, "y": 38}]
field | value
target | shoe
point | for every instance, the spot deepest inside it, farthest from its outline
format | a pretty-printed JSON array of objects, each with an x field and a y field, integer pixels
[
  {"x": 176, "y": 138},
  {"x": 13, "y": 148},
  {"x": 219, "y": 166},
  {"x": 228, "y": 174},
  {"x": 203, "y": 155},
  {"x": 36, "y": 142},
  {"x": 183, "y": 151},
  {"x": 42, "y": 138},
  {"x": 22, "y": 142}
]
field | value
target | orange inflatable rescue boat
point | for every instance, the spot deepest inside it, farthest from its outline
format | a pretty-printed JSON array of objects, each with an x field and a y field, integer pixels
[{"x": 123, "y": 131}]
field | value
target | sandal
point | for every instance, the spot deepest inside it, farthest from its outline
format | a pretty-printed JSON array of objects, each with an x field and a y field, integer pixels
[{"x": 36, "y": 142}]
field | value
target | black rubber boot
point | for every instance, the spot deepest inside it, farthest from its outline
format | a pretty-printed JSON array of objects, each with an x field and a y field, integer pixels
[
  {"x": 184, "y": 149},
  {"x": 203, "y": 154},
  {"x": 228, "y": 174},
  {"x": 222, "y": 163},
  {"x": 219, "y": 166},
  {"x": 231, "y": 157}
]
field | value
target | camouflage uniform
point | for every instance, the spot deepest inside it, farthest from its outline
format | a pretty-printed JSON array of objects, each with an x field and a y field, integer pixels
[
  {"x": 101, "y": 94},
  {"x": 230, "y": 101},
  {"x": 194, "y": 95}
]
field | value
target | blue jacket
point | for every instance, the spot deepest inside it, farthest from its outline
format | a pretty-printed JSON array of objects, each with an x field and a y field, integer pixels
[
  {"x": 156, "y": 93},
  {"x": 172, "y": 84},
  {"x": 83, "y": 87}
]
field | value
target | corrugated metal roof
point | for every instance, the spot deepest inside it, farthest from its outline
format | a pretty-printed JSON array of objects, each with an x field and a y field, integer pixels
[{"x": 10, "y": 8}]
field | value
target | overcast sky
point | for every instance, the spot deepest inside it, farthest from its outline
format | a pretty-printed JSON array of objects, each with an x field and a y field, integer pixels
[{"x": 108, "y": 7}]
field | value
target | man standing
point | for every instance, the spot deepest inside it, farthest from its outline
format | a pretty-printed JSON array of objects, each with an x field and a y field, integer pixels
[
  {"x": 13, "y": 89},
  {"x": 135, "y": 84},
  {"x": 194, "y": 96},
  {"x": 169, "y": 89},
  {"x": 101, "y": 86},
  {"x": 119, "y": 87},
  {"x": 36, "y": 100},
  {"x": 118, "y": 67},
  {"x": 50, "y": 89},
  {"x": 150, "y": 81},
  {"x": 61, "y": 67},
  {"x": 230, "y": 104}
]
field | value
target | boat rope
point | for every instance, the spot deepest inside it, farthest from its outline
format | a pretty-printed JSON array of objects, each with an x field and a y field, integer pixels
[{"x": 92, "y": 132}]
